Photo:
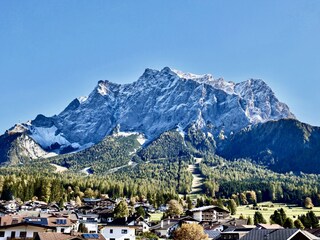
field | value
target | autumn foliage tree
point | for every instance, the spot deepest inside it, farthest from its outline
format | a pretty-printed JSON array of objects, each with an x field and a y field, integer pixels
[
  {"x": 175, "y": 208},
  {"x": 190, "y": 232}
]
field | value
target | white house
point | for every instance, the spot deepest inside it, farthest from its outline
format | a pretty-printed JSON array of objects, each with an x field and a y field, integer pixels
[
  {"x": 22, "y": 230},
  {"x": 90, "y": 221},
  {"x": 120, "y": 229},
  {"x": 209, "y": 213}
]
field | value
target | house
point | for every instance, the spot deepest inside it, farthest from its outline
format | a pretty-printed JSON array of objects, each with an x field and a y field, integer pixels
[
  {"x": 235, "y": 233},
  {"x": 22, "y": 230},
  {"x": 209, "y": 213},
  {"x": 7, "y": 220},
  {"x": 60, "y": 224},
  {"x": 279, "y": 234},
  {"x": 166, "y": 227},
  {"x": 73, "y": 236},
  {"x": 90, "y": 221},
  {"x": 102, "y": 203},
  {"x": 119, "y": 229}
]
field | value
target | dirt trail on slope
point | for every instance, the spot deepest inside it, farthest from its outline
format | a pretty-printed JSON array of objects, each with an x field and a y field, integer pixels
[{"x": 197, "y": 178}]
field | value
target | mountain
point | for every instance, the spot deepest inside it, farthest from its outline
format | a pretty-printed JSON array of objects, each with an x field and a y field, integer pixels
[
  {"x": 284, "y": 145},
  {"x": 16, "y": 147},
  {"x": 158, "y": 102}
]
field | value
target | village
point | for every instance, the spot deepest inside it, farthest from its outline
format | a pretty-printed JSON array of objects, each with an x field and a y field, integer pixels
[{"x": 122, "y": 219}]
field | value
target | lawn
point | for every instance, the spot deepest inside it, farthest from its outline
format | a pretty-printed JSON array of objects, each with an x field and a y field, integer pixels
[
  {"x": 267, "y": 209},
  {"x": 156, "y": 217}
]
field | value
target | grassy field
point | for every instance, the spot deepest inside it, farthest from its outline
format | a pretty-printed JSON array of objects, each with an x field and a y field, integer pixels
[
  {"x": 156, "y": 216},
  {"x": 268, "y": 208}
]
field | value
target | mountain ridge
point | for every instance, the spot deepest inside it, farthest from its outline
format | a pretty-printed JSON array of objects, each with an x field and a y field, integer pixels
[
  {"x": 157, "y": 102},
  {"x": 202, "y": 109}
]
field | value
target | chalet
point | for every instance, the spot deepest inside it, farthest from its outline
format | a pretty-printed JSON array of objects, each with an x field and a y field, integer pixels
[
  {"x": 102, "y": 203},
  {"x": 209, "y": 213},
  {"x": 90, "y": 221},
  {"x": 120, "y": 229},
  {"x": 166, "y": 227},
  {"x": 59, "y": 224},
  {"x": 22, "y": 230}
]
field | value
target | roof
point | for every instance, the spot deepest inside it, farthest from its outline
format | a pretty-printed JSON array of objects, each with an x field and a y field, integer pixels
[
  {"x": 91, "y": 200},
  {"x": 204, "y": 208},
  {"x": 26, "y": 224},
  {"x": 314, "y": 231},
  {"x": 10, "y": 219},
  {"x": 269, "y": 226},
  {"x": 275, "y": 234},
  {"x": 212, "y": 234},
  {"x": 167, "y": 223},
  {"x": 121, "y": 221},
  {"x": 62, "y": 236}
]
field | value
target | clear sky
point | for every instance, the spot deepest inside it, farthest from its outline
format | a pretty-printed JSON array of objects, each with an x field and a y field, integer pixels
[{"x": 53, "y": 51}]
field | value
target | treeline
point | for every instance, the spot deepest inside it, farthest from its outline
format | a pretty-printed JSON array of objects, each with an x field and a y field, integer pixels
[
  {"x": 252, "y": 183},
  {"x": 158, "y": 182},
  {"x": 112, "y": 152}
]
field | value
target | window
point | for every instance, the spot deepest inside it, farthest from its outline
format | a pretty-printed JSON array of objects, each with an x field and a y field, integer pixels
[
  {"x": 23, "y": 234},
  {"x": 62, "y": 230},
  {"x": 112, "y": 239},
  {"x": 124, "y": 231},
  {"x": 111, "y": 230},
  {"x": 2, "y": 234}
]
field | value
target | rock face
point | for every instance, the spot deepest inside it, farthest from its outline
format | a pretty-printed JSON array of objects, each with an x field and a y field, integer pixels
[
  {"x": 17, "y": 147},
  {"x": 157, "y": 102}
]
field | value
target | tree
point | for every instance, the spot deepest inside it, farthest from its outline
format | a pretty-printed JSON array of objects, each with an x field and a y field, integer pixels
[
  {"x": 258, "y": 218},
  {"x": 288, "y": 223},
  {"x": 308, "y": 203},
  {"x": 175, "y": 208},
  {"x": 313, "y": 219},
  {"x": 82, "y": 228},
  {"x": 278, "y": 217},
  {"x": 250, "y": 221},
  {"x": 141, "y": 212},
  {"x": 298, "y": 224},
  {"x": 78, "y": 201},
  {"x": 147, "y": 236},
  {"x": 121, "y": 210},
  {"x": 189, "y": 203},
  {"x": 232, "y": 207},
  {"x": 192, "y": 231},
  {"x": 243, "y": 199}
]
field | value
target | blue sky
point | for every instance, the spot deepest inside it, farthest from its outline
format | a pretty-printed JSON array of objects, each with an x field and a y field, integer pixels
[{"x": 54, "y": 51}]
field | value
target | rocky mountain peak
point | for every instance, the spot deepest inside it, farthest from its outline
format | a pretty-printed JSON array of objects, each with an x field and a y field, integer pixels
[{"x": 157, "y": 102}]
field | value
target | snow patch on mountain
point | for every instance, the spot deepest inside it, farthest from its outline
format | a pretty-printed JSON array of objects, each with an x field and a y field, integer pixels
[
  {"x": 46, "y": 137},
  {"x": 82, "y": 99}
]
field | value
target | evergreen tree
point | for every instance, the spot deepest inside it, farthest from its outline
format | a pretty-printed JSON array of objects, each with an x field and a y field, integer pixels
[
  {"x": 232, "y": 207},
  {"x": 278, "y": 217},
  {"x": 288, "y": 223},
  {"x": 121, "y": 210},
  {"x": 189, "y": 203},
  {"x": 141, "y": 212},
  {"x": 258, "y": 218},
  {"x": 298, "y": 224},
  {"x": 250, "y": 221}
]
